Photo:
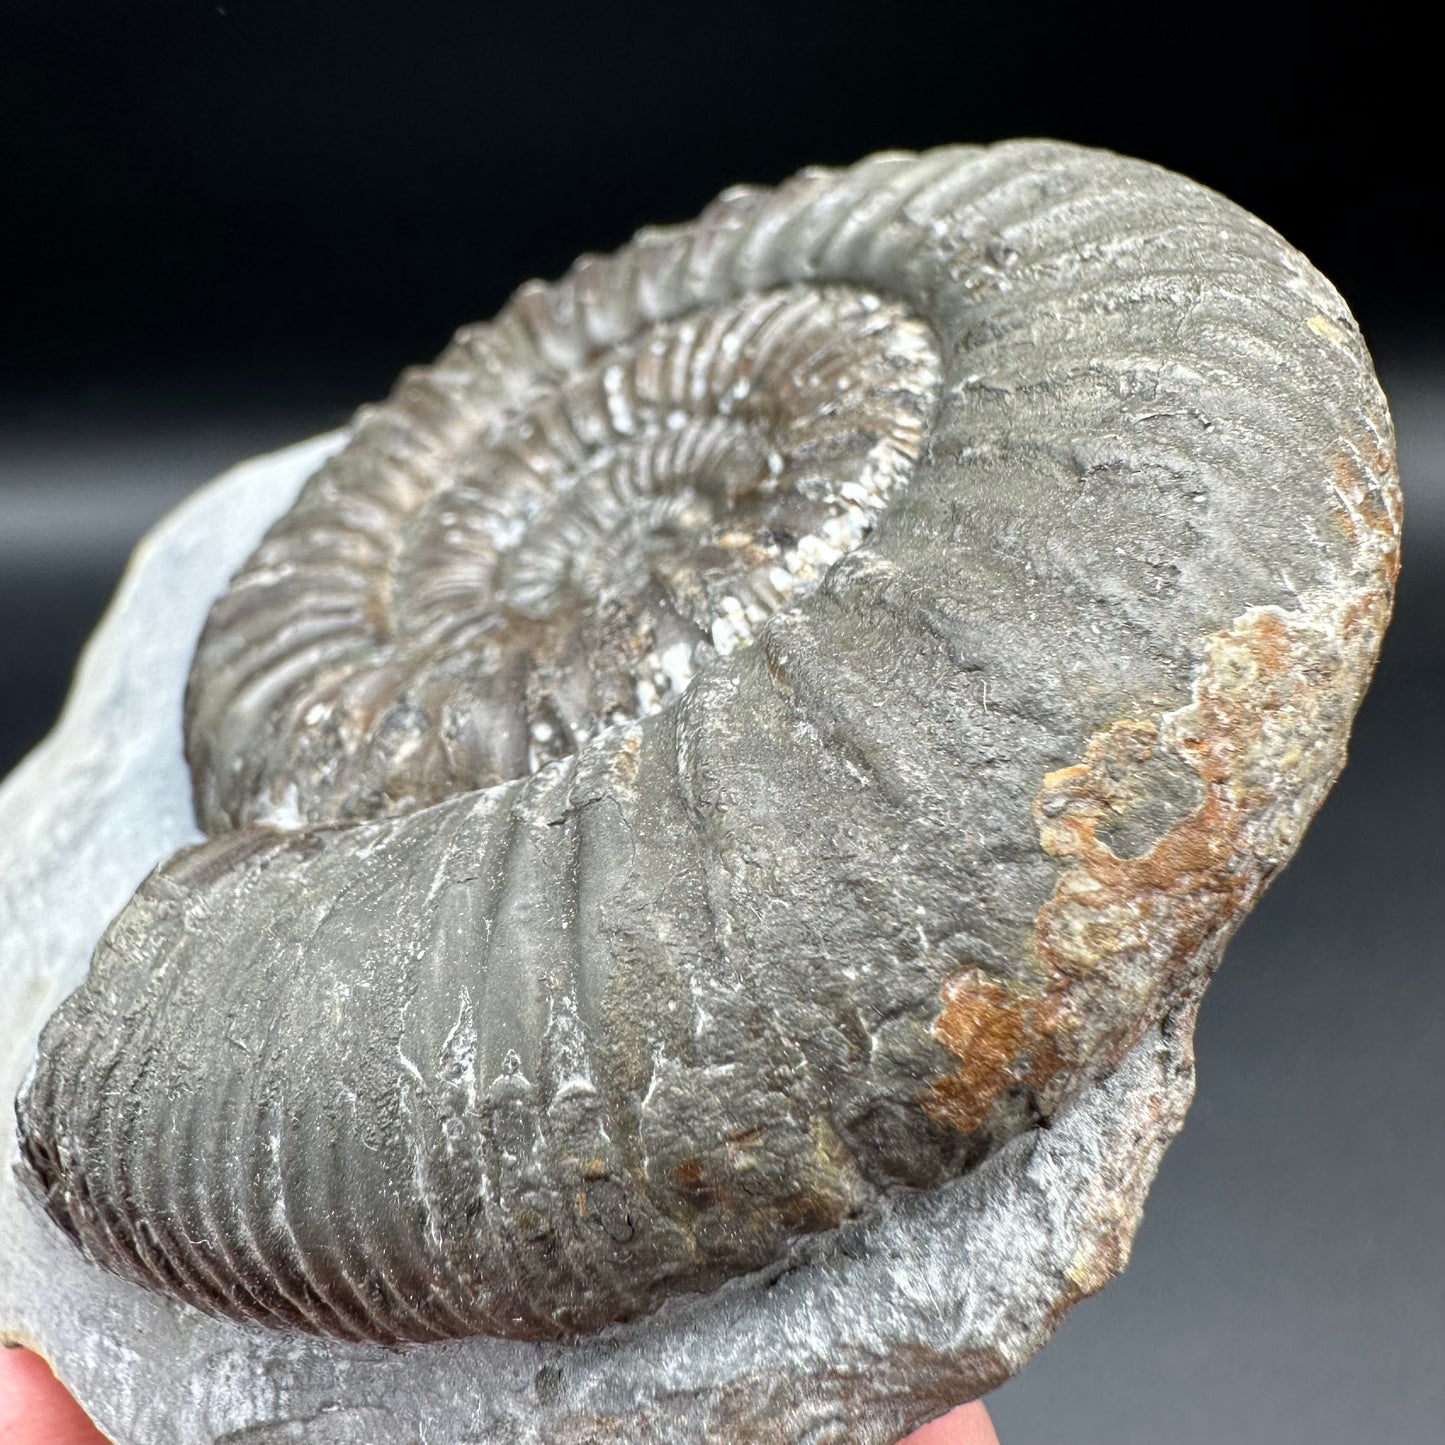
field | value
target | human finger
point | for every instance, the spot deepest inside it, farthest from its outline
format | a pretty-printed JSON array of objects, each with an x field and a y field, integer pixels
[
  {"x": 36, "y": 1409},
  {"x": 967, "y": 1425}
]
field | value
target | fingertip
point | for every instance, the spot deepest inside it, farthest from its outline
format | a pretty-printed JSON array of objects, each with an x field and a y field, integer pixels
[
  {"x": 967, "y": 1425},
  {"x": 35, "y": 1408}
]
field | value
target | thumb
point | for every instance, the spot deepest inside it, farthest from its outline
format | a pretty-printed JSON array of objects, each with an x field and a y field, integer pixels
[
  {"x": 967, "y": 1425},
  {"x": 35, "y": 1408}
]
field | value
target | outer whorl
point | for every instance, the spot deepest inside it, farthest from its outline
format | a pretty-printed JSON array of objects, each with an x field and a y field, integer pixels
[{"x": 760, "y": 723}]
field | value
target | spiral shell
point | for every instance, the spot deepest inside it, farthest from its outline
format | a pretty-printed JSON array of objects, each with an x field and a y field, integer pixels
[{"x": 767, "y": 719}]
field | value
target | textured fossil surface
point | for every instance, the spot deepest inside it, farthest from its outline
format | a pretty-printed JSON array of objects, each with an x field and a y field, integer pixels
[{"x": 708, "y": 769}]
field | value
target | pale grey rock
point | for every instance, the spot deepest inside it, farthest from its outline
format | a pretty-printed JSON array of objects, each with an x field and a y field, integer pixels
[{"x": 932, "y": 1303}]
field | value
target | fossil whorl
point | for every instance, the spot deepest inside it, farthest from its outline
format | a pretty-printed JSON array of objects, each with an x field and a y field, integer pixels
[{"x": 763, "y": 721}]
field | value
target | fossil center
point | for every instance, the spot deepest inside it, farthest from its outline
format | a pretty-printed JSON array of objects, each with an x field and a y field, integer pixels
[{"x": 653, "y": 511}]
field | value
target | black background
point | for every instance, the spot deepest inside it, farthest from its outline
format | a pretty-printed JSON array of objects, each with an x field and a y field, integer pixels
[
  {"x": 226, "y": 224},
  {"x": 322, "y": 186}
]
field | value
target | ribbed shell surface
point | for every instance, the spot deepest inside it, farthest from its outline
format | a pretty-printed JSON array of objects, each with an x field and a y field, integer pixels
[{"x": 763, "y": 721}]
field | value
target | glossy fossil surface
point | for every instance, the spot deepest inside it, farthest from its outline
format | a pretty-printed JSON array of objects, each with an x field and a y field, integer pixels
[{"x": 800, "y": 756}]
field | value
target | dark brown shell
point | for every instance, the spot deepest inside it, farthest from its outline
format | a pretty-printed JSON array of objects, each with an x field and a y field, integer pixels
[{"x": 763, "y": 721}]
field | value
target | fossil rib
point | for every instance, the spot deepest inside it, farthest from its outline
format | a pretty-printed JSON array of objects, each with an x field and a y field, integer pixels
[{"x": 760, "y": 723}]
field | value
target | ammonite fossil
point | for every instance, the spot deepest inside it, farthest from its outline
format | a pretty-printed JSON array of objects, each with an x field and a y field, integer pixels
[{"x": 760, "y": 724}]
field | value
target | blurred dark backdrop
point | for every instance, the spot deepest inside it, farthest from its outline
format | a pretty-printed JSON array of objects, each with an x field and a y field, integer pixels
[
  {"x": 315, "y": 190},
  {"x": 225, "y": 224}
]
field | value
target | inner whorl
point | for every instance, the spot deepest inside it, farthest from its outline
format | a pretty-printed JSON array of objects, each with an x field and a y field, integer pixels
[{"x": 562, "y": 571}]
